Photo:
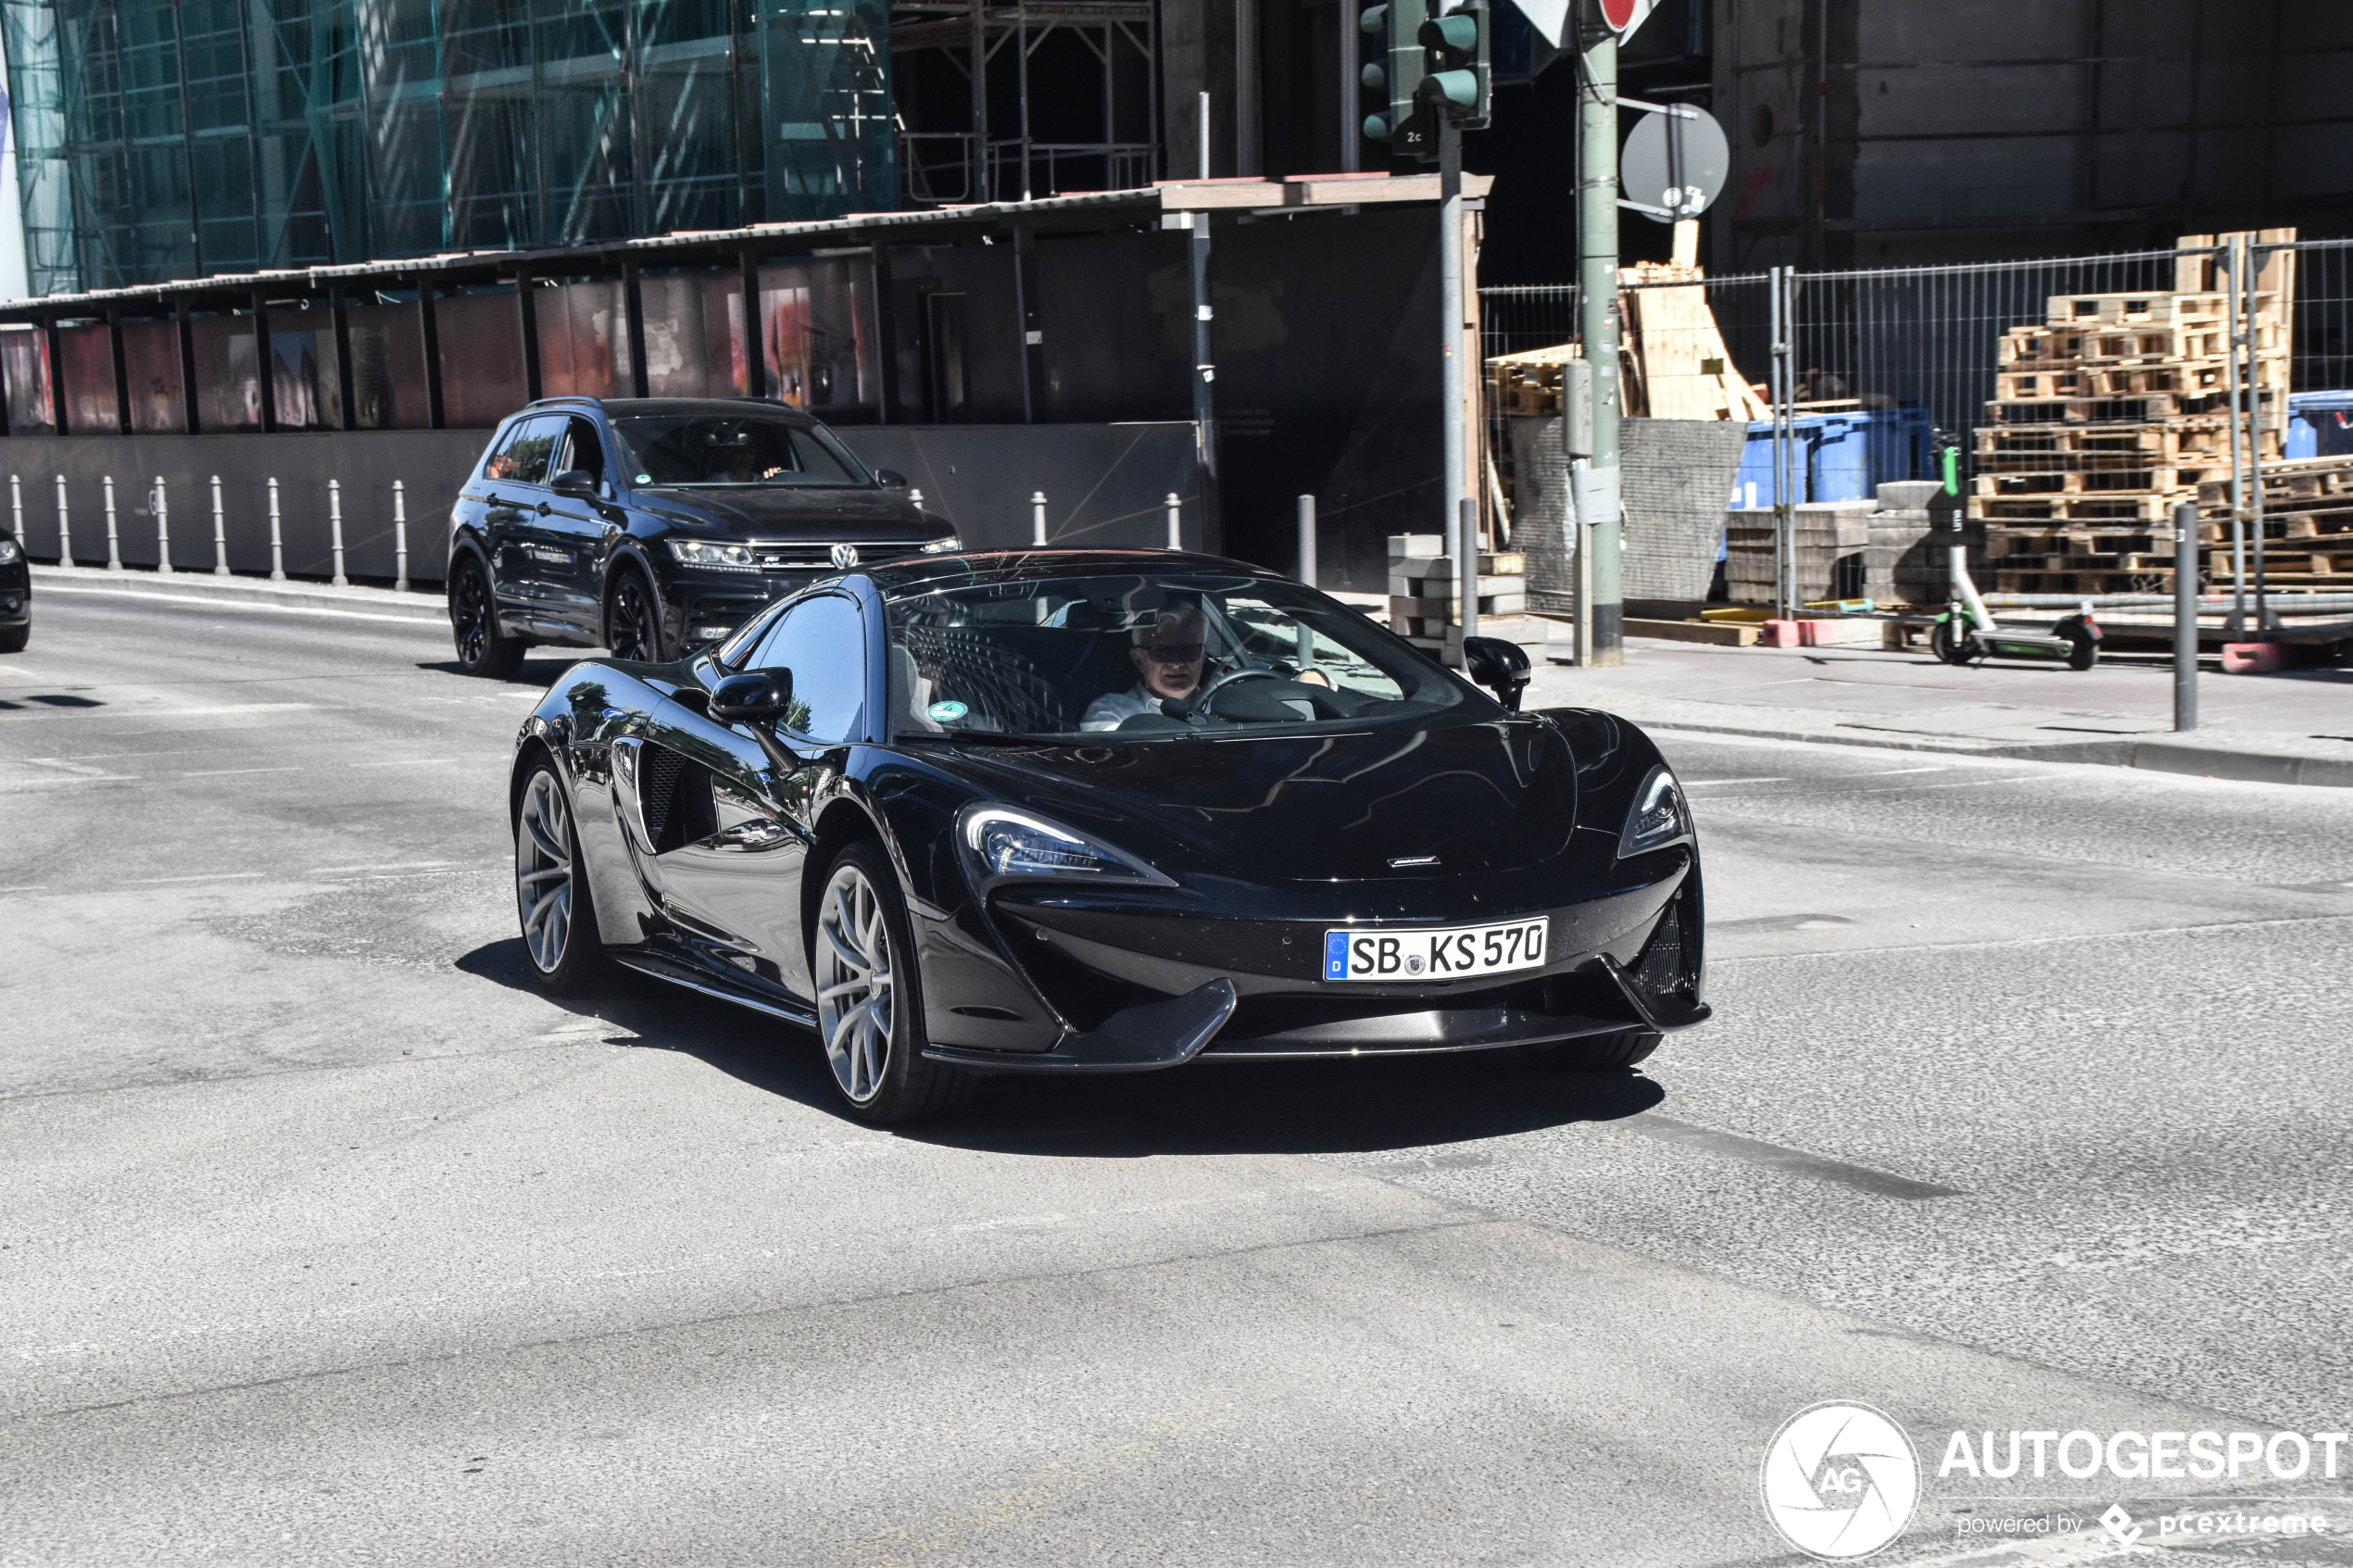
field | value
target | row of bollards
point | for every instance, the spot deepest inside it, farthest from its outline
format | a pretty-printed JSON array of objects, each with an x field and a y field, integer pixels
[
  {"x": 159, "y": 502},
  {"x": 1175, "y": 503}
]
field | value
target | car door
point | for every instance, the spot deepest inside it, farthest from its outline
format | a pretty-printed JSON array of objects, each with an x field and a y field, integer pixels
[
  {"x": 579, "y": 536},
  {"x": 724, "y": 820},
  {"x": 513, "y": 489}
]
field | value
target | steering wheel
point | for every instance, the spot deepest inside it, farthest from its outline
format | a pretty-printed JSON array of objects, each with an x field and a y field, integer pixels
[{"x": 1199, "y": 701}]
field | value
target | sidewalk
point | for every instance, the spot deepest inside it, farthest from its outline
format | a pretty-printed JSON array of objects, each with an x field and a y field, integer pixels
[
  {"x": 2289, "y": 728},
  {"x": 258, "y": 593}
]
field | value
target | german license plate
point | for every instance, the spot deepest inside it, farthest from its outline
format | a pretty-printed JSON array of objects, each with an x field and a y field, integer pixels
[{"x": 1376, "y": 953}]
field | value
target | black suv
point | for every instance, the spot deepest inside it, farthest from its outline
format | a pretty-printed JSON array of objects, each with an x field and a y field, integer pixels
[
  {"x": 16, "y": 595},
  {"x": 652, "y": 525}
]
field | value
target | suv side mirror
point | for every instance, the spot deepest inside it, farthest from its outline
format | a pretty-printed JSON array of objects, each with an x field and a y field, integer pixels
[
  {"x": 890, "y": 479},
  {"x": 578, "y": 483},
  {"x": 1499, "y": 666},
  {"x": 751, "y": 699}
]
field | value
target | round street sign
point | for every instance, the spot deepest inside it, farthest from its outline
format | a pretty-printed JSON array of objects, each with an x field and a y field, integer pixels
[
  {"x": 1623, "y": 17},
  {"x": 1674, "y": 164}
]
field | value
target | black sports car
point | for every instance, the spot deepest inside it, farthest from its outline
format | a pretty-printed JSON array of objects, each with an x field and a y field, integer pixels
[
  {"x": 16, "y": 596},
  {"x": 654, "y": 525},
  {"x": 1105, "y": 811}
]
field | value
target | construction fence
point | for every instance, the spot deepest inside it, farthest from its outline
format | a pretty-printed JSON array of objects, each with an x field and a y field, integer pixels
[{"x": 2086, "y": 396}]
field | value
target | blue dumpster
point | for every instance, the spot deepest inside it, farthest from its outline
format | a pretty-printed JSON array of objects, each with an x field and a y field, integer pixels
[
  {"x": 2319, "y": 424},
  {"x": 1753, "y": 486}
]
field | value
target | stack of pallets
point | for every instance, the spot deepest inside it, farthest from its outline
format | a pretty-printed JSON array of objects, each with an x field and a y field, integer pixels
[
  {"x": 1424, "y": 607},
  {"x": 2110, "y": 411},
  {"x": 2308, "y": 525}
]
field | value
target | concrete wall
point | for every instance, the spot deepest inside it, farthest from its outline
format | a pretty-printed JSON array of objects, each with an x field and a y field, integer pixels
[{"x": 1105, "y": 483}]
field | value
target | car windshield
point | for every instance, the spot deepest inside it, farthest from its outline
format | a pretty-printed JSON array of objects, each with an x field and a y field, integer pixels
[
  {"x": 731, "y": 449},
  {"x": 1147, "y": 656}
]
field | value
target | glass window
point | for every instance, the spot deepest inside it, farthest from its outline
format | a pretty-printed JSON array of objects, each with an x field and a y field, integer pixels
[
  {"x": 694, "y": 334},
  {"x": 388, "y": 367},
  {"x": 151, "y": 364},
  {"x": 823, "y": 642},
  {"x": 228, "y": 373},
  {"x": 89, "y": 366},
  {"x": 583, "y": 340},
  {"x": 813, "y": 334},
  {"x": 731, "y": 449},
  {"x": 1148, "y": 656},
  {"x": 306, "y": 385},
  {"x": 581, "y": 449},
  {"x": 480, "y": 340},
  {"x": 521, "y": 459},
  {"x": 24, "y": 363}
]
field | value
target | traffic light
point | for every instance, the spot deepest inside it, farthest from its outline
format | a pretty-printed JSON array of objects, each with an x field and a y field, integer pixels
[
  {"x": 1395, "y": 63},
  {"x": 1460, "y": 80}
]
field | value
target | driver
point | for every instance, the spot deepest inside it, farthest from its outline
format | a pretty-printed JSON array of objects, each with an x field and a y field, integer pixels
[{"x": 1168, "y": 656}]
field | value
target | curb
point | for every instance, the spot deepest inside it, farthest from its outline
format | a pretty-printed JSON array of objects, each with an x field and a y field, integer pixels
[
  {"x": 2170, "y": 756},
  {"x": 189, "y": 587}
]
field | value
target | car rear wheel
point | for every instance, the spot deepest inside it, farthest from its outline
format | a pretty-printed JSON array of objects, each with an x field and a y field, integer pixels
[
  {"x": 13, "y": 639},
  {"x": 869, "y": 1003},
  {"x": 633, "y": 621},
  {"x": 482, "y": 648},
  {"x": 552, "y": 900}
]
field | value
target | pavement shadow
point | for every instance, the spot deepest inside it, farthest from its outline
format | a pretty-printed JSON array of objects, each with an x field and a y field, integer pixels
[
  {"x": 1209, "y": 1108},
  {"x": 539, "y": 673}
]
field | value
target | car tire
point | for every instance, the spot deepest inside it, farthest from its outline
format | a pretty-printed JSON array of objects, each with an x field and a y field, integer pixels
[
  {"x": 553, "y": 901},
  {"x": 1598, "y": 1053},
  {"x": 13, "y": 639},
  {"x": 482, "y": 648},
  {"x": 633, "y": 621},
  {"x": 873, "y": 1035}
]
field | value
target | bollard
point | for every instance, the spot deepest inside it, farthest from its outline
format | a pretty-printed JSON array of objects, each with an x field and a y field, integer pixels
[
  {"x": 1307, "y": 540},
  {"x": 163, "y": 529},
  {"x": 2185, "y": 615},
  {"x": 400, "y": 536},
  {"x": 1176, "y": 521},
  {"x": 334, "y": 529},
  {"x": 1466, "y": 576},
  {"x": 220, "y": 534},
  {"x": 1038, "y": 519},
  {"x": 16, "y": 508},
  {"x": 114, "y": 543},
  {"x": 277, "y": 543},
  {"x": 65, "y": 526}
]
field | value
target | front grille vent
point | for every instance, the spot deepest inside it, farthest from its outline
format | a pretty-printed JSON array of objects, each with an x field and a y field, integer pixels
[{"x": 818, "y": 556}]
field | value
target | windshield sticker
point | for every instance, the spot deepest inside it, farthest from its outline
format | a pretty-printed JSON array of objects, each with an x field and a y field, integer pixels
[{"x": 946, "y": 713}]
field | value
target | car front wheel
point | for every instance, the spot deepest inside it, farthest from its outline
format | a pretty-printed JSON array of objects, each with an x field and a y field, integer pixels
[
  {"x": 869, "y": 1004},
  {"x": 633, "y": 621},
  {"x": 483, "y": 649},
  {"x": 552, "y": 900}
]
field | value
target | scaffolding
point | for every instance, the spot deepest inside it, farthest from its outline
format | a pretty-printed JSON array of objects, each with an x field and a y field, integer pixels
[{"x": 1068, "y": 97}]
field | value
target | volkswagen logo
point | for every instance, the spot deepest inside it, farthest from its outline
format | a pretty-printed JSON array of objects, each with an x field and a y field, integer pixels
[
  {"x": 844, "y": 556},
  {"x": 1840, "y": 1481}
]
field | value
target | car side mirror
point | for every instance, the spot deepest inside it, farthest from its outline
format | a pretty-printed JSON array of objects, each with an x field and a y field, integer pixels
[
  {"x": 755, "y": 698},
  {"x": 1500, "y": 666},
  {"x": 890, "y": 479},
  {"x": 578, "y": 483}
]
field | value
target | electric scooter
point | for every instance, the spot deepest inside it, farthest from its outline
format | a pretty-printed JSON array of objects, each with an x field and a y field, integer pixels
[{"x": 1966, "y": 632}]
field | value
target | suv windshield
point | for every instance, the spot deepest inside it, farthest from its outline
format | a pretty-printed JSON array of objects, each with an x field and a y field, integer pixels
[
  {"x": 731, "y": 449},
  {"x": 1147, "y": 656}
]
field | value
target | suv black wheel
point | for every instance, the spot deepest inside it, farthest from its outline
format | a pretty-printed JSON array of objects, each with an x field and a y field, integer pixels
[
  {"x": 633, "y": 621},
  {"x": 483, "y": 649}
]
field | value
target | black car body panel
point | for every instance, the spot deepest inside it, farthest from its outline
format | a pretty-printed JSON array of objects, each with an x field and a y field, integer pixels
[
  {"x": 704, "y": 841},
  {"x": 16, "y": 590},
  {"x": 554, "y": 560}
]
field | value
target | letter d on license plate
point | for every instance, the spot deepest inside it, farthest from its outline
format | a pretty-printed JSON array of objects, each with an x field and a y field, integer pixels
[{"x": 1377, "y": 954}]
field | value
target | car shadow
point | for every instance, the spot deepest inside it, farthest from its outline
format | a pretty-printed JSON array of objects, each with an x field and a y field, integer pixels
[
  {"x": 539, "y": 673},
  {"x": 1355, "y": 1105}
]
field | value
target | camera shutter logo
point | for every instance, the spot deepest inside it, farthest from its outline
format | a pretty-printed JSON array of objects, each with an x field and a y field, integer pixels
[{"x": 1840, "y": 1481}]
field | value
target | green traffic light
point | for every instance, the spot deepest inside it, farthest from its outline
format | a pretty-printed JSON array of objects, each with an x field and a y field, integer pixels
[
  {"x": 1375, "y": 21},
  {"x": 1374, "y": 78},
  {"x": 1450, "y": 89},
  {"x": 1377, "y": 127},
  {"x": 1459, "y": 33}
]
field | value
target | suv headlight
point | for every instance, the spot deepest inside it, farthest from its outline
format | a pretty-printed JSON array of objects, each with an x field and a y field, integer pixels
[
  {"x": 1007, "y": 845},
  {"x": 722, "y": 558},
  {"x": 1659, "y": 816},
  {"x": 947, "y": 546},
  {"x": 9, "y": 553}
]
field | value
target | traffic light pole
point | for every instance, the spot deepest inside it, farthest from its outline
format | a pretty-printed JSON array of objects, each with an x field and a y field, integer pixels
[
  {"x": 1594, "y": 485},
  {"x": 1450, "y": 350}
]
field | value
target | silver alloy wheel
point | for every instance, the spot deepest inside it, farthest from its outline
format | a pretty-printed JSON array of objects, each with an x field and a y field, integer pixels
[
  {"x": 856, "y": 998},
  {"x": 543, "y": 872}
]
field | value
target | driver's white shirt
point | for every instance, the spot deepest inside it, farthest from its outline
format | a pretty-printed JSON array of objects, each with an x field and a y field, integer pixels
[{"x": 1107, "y": 711}]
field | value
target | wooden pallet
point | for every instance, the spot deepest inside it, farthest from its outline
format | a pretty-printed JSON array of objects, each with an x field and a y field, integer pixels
[
  {"x": 2151, "y": 446},
  {"x": 2154, "y": 307},
  {"x": 2082, "y": 582},
  {"x": 2003, "y": 538},
  {"x": 2173, "y": 483},
  {"x": 2027, "y": 347},
  {"x": 2154, "y": 409},
  {"x": 2187, "y": 377},
  {"x": 2095, "y": 507}
]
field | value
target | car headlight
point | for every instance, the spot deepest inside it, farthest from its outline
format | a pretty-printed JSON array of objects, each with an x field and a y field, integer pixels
[
  {"x": 9, "y": 553},
  {"x": 946, "y": 544},
  {"x": 1011, "y": 844},
  {"x": 1659, "y": 816},
  {"x": 723, "y": 558}
]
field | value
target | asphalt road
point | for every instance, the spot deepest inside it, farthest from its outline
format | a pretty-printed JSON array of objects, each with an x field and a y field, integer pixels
[{"x": 323, "y": 1236}]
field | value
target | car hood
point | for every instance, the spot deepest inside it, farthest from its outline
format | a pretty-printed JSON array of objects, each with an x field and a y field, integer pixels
[
  {"x": 759, "y": 512},
  {"x": 1480, "y": 797}
]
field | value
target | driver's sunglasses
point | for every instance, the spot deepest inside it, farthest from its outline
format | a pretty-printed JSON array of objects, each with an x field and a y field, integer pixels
[{"x": 1174, "y": 653}]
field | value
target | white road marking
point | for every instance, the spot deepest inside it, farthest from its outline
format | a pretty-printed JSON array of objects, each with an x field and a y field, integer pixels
[
  {"x": 27, "y": 887},
  {"x": 437, "y": 626},
  {"x": 396, "y": 866},
  {"x": 105, "y": 712},
  {"x": 1695, "y": 783},
  {"x": 225, "y": 772},
  {"x": 209, "y": 876},
  {"x": 410, "y": 762},
  {"x": 1890, "y": 773}
]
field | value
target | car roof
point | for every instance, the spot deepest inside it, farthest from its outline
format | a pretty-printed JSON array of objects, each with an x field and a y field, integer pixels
[
  {"x": 983, "y": 567},
  {"x": 717, "y": 408}
]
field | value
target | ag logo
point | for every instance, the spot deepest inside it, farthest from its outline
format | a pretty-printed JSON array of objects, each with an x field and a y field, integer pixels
[{"x": 1840, "y": 1481}]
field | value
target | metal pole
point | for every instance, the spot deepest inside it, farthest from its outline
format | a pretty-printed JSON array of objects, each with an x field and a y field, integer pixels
[
  {"x": 1204, "y": 370},
  {"x": 1466, "y": 573},
  {"x": 65, "y": 526},
  {"x": 334, "y": 529},
  {"x": 163, "y": 528},
  {"x": 16, "y": 508},
  {"x": 1598, "y": 513},
  {"x": 1176, "y": 521},
  {"x": 400, "y": 535},
  {"x": 1204, "y": 135},
  {"x": 1306, "y": 572},
  {"x": 1784, "y": 500},
  {"x": 2185, "y": 615},
  {"x": 114, "y": 542},
  {"x": 1455, "y": 481},
  {"x": 220, "y": 534},
  {"x": 2231, "y": 260},
  {"x": 2255, "y": 440},
  {"x": 277, "y": 541},
  {"x": 1581, "y": 568},
  {"x": 1038, "y": 519}
]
